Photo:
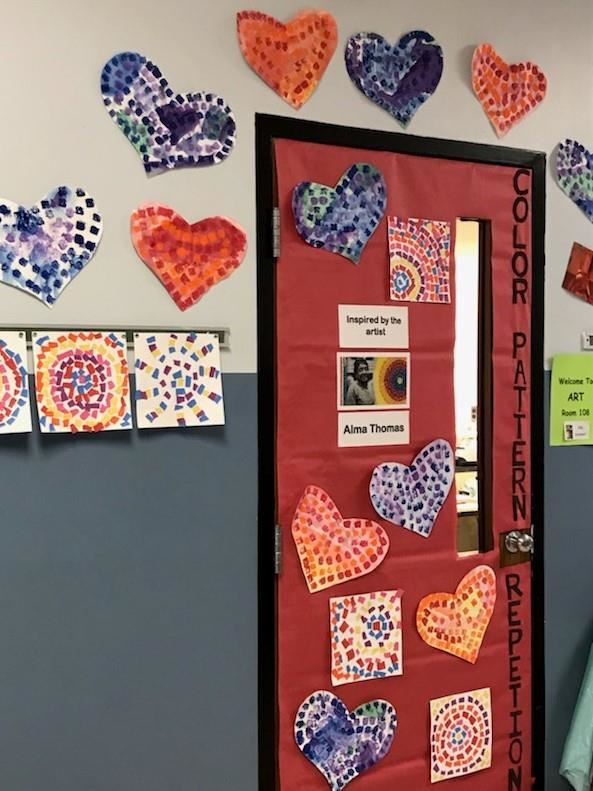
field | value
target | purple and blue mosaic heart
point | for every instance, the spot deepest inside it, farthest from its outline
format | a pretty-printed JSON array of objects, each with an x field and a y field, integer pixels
[
  {"x": 343, "y": 744},
  {"x": 412, "y": 497},
  {"x": 574, "y": 169},
  {"x": 44, "y": 247},
  {"x": 343, "y": 218},
  {"x": 168, "y": 130},
  {"x": 400, "y": 77}
]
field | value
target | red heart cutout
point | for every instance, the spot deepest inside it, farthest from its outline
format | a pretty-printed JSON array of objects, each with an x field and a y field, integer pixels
[
  {"x": 187, "y": 258},
  {"x": 291, "y": 58},
  {"x": 507, "y": 92},
  {"x": 332, "y": 549}
]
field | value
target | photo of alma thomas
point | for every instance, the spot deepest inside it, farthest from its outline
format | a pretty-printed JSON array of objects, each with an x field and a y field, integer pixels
[{"x": 358, "y": 382}]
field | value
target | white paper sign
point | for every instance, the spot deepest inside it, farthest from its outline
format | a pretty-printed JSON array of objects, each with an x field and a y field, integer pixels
[
  {"x": 373, "y": 326},
  {"x": 360, "y": 429}
]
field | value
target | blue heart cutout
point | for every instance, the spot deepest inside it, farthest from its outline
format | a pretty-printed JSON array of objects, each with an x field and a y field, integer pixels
[
  {"x": 341, "y": 219},
  {"x": 400, "y": 77}
]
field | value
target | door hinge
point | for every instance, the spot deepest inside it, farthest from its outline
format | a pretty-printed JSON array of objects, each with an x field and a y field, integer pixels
[
  {"x": 277, "y": 549},
  {"x": 276, "y": 232}
]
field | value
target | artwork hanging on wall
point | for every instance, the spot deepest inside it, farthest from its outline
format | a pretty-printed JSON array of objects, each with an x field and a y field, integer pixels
[
  {"x": 419, "y": 254},
  {"x": 167, "y": 129},
  {"x": 457, "y": 622},
  {"x": 332, "y": 549},
  {"x": 578, "y": 278},
  {"x": 81, "y": 382},
  {"x": 178, "y": 380},
  {"x": 343, "y": 218},
  {"x": 506, "y": 91},
  {"x": 399, "y": 77},
  {"x": 412, "y": 496},
  {"x": 45, "y": 246},
  {"x": 290, "y": 57},
  {"x": 366, "y": 636},
  {"x": 460, "y": 734},
  {"x": 15, "y": 405},
  {"x": 188, "y": 258},
  {"x": 343, "y": 744},
  {"x": 574, "y": 170}
]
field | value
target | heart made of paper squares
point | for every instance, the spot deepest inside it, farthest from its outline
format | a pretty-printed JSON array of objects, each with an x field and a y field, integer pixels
[
  {"x": 507, "y": 92},
  {"x": 457, "y": 622},
  {"x": 343, "y": 744},
  {"x": 413, "y": 496},
  {"x": 291, "y": 58},
  {"x": 45, "y": 246},
  {"x": 332, "y": 549},
  {"x": 168, "y": 130},
  {"x": 399, "y": 77},
  {"x": 343, "y": 218},
  {"x": 187, "y": 258},
  {"x": 574, "y": 170}
]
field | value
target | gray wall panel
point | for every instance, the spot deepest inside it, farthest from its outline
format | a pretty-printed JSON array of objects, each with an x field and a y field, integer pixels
[{"x": 128, "y": 608}]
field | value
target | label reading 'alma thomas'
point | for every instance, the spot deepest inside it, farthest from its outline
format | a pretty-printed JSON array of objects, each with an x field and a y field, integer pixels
[{"x": 361, "y": 429}]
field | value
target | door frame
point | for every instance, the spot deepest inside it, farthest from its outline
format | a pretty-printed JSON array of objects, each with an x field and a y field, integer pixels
[{"x": 271, "y": 127}]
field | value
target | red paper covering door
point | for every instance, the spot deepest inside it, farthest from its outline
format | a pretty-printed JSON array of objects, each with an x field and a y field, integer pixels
[{"x": 311, "y": 284}]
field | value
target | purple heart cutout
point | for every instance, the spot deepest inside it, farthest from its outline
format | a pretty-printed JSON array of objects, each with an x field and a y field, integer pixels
[
  {"x": 340, "y": 743},
  {"x": 341, "y": 219},
  {"x": 399, "y": 78},
  {"x": 412, "y": 497},
  {"x": 168, "y": 130}
]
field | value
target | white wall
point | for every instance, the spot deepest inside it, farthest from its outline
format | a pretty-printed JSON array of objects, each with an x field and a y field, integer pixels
[{"x": 55, "y": 130}]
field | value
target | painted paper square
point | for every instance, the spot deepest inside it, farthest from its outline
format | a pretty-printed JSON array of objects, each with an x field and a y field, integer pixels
[
  {"x": 178, "y": 380},
  {"x": 366, "y": 636},
  {"x": 419, "y": 253},
  {"x": 81, "y": 381},
  {"x": 15, "y": 405},
  {"x": 460, "y": 734}
]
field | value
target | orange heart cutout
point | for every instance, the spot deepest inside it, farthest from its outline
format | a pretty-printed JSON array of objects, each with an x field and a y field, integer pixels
[
  {"x": 332, "y": 549},
  {"x": 187, "y": 258},
  {"x": 291, "y": 58},
  {"x": 507, "y": 92},
  {"x": 456, "y": 623}
]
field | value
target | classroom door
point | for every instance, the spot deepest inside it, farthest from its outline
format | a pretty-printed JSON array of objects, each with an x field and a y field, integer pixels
[{"x": 405, "y": 416}]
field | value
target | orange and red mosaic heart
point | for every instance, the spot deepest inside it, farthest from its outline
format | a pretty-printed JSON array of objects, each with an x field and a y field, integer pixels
[
  {"x": 188, "y": 258},
  {"x": 507, "y": 91},
  {"x": 291, "y": 58},
  {"x": 457, "y": 623},
  {"x": 332, "y": 549}
]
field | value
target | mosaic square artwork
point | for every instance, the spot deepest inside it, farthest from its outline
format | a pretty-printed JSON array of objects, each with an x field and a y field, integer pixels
[
  {"x": 343, "y": 218},
  {"x": 578, "y": 278},
  {"x": 460, "y": 735},
  {"x": 399, "y": 77},
  {"x": 167, "y": 129},
  {"x": 574, "y": 170},
  {"x": 343, "y": 744},
  {"x": 15, "y": 405},
  {"x": 45, "y": 246},
  {"x": 178, "y": 380},
  {"x": 188, "y": 258},
  {"x": 457, "y": 622},
  {"x": 291, "y": 58},
  {"x": 506, "y": 91},
  {"x": 333, "y": 549},
  {"x": 419, "y": 255},
  {"x": 366, "y": 636},
  {"x": 412, "y": 496},
  {"x": 81, "y": 381}
]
